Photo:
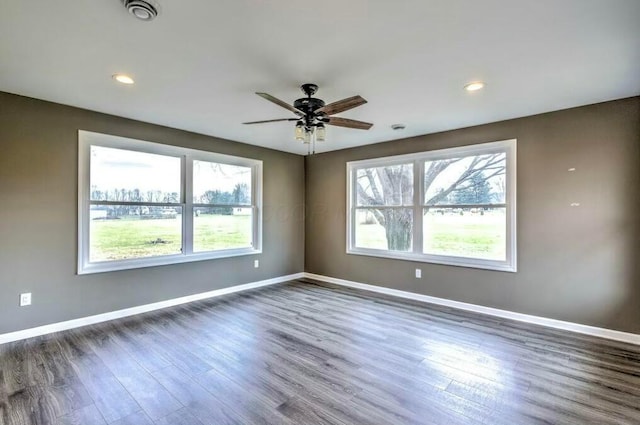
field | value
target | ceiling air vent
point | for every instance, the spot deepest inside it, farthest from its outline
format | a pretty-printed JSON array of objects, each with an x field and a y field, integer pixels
[{"x": 141, "y": 9}]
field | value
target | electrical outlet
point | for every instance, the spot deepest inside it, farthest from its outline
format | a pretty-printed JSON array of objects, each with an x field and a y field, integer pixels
[
  {"x": 418, "y": 273},
  {"x": 25, "y": 299},
  {"x": 256, "y": 263}
]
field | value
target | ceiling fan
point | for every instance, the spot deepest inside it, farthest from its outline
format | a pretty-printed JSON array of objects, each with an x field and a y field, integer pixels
[{"x": 312, "y": 114}]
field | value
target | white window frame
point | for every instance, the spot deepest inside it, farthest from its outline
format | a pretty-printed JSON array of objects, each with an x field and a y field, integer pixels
[
  {"x": 86, "y": 139},
  {"x": 418, "y": 160}
]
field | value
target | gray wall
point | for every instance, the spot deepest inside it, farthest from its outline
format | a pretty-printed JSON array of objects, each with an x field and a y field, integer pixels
[
  {"x": 577, "y": 264},
  {"x": 38, "y": 213}
]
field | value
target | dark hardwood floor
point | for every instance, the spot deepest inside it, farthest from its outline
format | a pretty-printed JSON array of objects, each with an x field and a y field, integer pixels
[{"x": 307, "y": 354}]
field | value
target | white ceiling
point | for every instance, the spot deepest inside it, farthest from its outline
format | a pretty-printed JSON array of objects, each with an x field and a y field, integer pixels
[{"x": 198, "y": 64}]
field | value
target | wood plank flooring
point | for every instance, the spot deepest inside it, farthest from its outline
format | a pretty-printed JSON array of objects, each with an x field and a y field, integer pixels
[{"x": 307, "y": 353}]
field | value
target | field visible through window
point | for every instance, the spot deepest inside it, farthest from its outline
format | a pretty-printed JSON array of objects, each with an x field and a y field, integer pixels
[
  {"x": 133, "y": 237},
  {"x": 456, "y": 233}
]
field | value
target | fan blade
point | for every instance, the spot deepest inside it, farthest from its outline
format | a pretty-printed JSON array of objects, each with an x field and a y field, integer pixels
[
  {"x": 342, "y": 105},
  {"x": 345, "y": 122},
  {"x": 262, "y": 122},
  {"x": 281, "y": 103}
]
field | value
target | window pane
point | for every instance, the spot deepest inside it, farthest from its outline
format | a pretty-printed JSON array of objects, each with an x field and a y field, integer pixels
[
  {"x": 390, "y": 185},
  {"x": 384, "y": 228},
  {"x": 469, "y": 232},
  {"x": 128, "y": 176},
  {"x": 217, "y": 228},
  {"x": 120, "y": 232},
  {"x": 469, "y": 180},
  {"x": 215, "y": 183}
]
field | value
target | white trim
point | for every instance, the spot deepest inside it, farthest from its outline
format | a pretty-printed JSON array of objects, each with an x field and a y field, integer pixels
[
  {"x": 104, "y": 317},
  {"x": 627, "y": 337},
  {"x": 162, "y": 260},
  {"x": 509, "y": 147}
]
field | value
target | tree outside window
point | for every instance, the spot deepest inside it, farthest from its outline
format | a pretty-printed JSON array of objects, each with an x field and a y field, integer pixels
[{"x": 456, "y": 207}]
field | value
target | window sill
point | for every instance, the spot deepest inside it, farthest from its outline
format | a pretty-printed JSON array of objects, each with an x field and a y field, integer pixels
[
  {"x": 476, "y": 263},
  {"x": 109, "y": 266}
]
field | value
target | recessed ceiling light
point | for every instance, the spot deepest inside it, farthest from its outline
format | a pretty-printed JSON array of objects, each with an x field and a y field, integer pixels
[
  {"x": 473, "y": 86},
  {"x": 123, "y": 78}
]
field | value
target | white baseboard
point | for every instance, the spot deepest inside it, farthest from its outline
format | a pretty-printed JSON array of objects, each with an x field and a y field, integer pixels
[
  {"x": 104, "y": 317},
  {"x": 551, "y": 323}
]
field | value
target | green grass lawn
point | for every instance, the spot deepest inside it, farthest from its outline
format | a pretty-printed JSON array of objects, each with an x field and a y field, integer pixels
[
  {"x": 213, "y": 232},
  {"x": 469, "y": 235},
  {"x": 135, "y": 238}
]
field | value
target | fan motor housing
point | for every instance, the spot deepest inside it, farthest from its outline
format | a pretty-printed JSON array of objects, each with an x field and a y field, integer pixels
[
  {"x": 145, "y": 10},
  {"x": 308, "y": 104}
]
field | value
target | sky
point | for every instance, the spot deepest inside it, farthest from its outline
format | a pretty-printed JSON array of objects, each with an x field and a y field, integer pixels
[{"x": 123, "y": 169}]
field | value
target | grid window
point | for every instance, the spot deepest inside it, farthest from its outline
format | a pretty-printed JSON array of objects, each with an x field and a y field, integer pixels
[
  {"x": 143, "y": 204},
  {"x": 452, "y": 206}
]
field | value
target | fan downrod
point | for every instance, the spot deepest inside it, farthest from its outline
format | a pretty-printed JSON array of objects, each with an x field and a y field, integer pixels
[{"x": 308, "y": 104}]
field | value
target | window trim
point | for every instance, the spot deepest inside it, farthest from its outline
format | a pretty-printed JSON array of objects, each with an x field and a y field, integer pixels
[
  {"x": 418, "y": 159},
  {"x": 86, "y": 139}
]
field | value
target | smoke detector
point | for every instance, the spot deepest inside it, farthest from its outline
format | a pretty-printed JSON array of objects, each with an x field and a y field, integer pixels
[{"x": 145, "y": 10}]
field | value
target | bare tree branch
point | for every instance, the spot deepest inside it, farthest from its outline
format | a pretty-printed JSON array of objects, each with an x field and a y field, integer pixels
[
  {"x": 372, "y": 184},
  {"x": 379, "y": 216},
  {"x": 475, "y": 168},
  {"x": 363, "y": 195},
  {"x": 435, "y": 168}
]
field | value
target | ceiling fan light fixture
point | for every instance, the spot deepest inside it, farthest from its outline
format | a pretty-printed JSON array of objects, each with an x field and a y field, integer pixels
[
  {"x": 474, "y": 86},
  {"x": 308, "y": 132},
  {"x": 321, "y": 132},
  {"x": 299, "y": 131}
]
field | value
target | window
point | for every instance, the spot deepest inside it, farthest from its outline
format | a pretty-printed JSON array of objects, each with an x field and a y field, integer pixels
[
  {"x": 452, "y": 206},
  {"x": 144, "y": 204}
]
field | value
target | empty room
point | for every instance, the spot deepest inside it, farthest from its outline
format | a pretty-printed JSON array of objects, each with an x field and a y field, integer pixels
[{"x": 358, "y": 212}]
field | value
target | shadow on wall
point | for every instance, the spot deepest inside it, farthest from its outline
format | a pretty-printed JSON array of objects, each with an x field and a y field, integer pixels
[
  {"x": 626, "y": 220},
  {"x": 630, "y": 306}
]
